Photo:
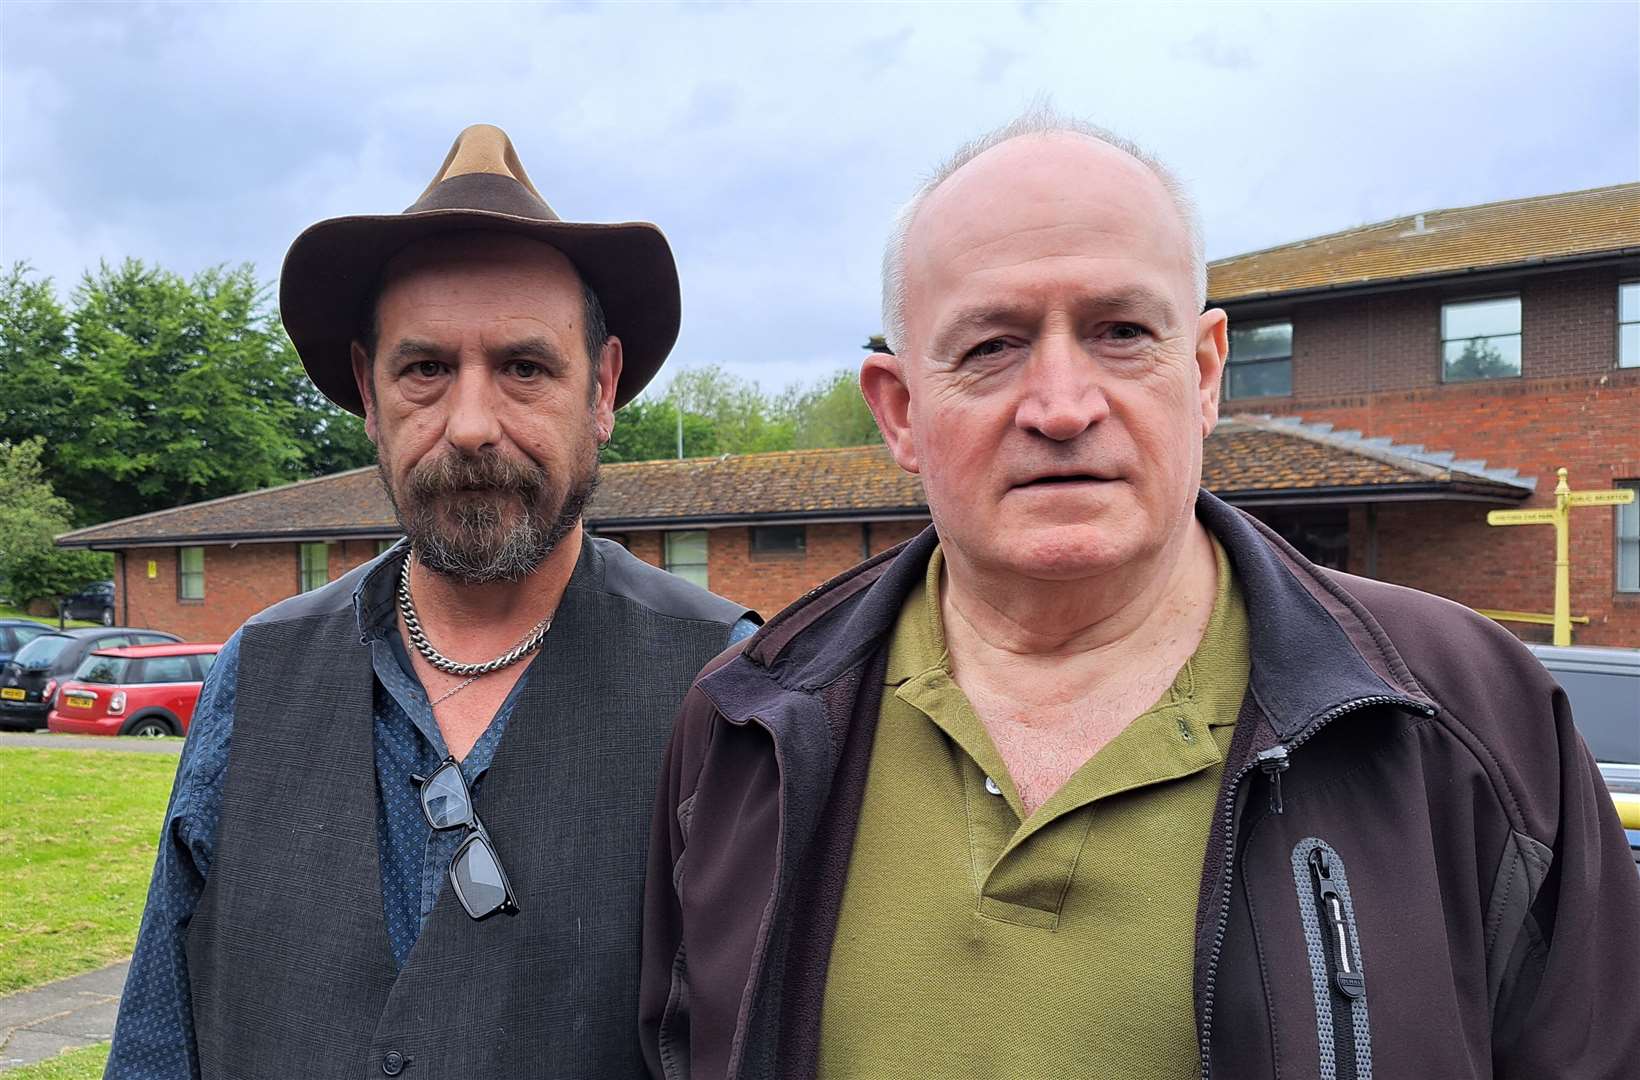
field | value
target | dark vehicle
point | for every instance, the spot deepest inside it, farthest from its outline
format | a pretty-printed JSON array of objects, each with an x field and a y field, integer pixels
[
  {"x": 1603, "y": 686},
  {"x": 15, "y": 633},
  {"x": 94, "y": 602},
  {"x": 29, "y": 681}
]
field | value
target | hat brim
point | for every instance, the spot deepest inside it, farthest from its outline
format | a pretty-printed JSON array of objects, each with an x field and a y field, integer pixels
[{"x": 332, "y": 267}]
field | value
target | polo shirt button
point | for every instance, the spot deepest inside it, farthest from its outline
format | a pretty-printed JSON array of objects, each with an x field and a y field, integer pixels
[
  {"x": 991, "y": 786},
  {"x": 393, "y": 1063}
]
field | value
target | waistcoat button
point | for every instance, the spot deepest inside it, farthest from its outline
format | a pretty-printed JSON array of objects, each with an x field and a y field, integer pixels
[{"x": 393, "y": 1063}]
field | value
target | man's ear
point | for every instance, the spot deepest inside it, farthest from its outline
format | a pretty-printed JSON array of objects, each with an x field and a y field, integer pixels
[
  {"x": 883, "y": 383},
  {"x": 364, "y": 378},
  {"x": 609, "y": 376},
  {"x": 1212, "y": 350}
]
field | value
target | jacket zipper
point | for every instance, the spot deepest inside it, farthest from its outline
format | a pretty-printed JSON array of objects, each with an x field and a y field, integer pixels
[
  {"x": 1228, "y": 873},
  {"x": 1345, "y": 983}
]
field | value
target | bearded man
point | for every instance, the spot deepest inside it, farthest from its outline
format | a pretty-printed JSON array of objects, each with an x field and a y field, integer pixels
[
  {"x": 408, "y": 827},
  {"x": 1098, "y": 777}
]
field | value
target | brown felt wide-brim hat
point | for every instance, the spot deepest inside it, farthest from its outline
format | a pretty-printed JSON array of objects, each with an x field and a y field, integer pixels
[{"x": 333, "y": 267}]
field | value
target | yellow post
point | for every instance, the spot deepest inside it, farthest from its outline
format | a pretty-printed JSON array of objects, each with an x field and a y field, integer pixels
[
  {"x": 1561, "y": 518},
  {"x": 1563, "y": 560}
]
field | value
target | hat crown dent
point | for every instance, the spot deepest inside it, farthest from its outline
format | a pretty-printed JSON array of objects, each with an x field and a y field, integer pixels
[{"x": 484, "y": 149}]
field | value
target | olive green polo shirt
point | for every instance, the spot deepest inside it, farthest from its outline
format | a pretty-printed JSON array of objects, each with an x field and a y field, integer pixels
[{"x": 974, "y": 941}]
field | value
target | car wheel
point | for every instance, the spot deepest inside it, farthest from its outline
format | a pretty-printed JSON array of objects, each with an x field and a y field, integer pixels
[
  {"x": 149, "y": 728},
  {"x": 108, "y": 616}
]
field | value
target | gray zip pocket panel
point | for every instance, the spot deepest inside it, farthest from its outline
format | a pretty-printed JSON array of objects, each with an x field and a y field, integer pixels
[{"x": 1334, "y": 948}]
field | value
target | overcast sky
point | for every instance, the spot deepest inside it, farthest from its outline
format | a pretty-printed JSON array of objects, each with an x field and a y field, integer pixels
[{"x": 774, "y": 143}]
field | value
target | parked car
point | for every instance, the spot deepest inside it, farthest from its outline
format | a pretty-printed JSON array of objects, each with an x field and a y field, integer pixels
[
  {"x": 15, "y": 633},
  {"x": 146, "y": 690},
  {"x": 1603, "y": 686},
  {"x": 94, "y": 602},
  {"x": 29, "y": 682}
]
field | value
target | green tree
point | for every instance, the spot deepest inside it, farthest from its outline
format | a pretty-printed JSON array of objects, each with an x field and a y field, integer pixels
[
  {"x": 831, "y": 413},
  {"x": 331, "y": 439},
  {"x": 31, "y": 566},
  {"x": 1480, "y": 359},
  {"x": 648, "y": 431},
  {"x": 36, "y": 396},
  {"x": 745, "y": 419},
  {"x": 182, "y": 392}
]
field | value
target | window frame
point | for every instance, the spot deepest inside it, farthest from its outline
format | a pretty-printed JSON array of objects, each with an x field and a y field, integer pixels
[
  {"x": 184, "y": 575},
  {"x": 1633, "y": 283},
  {"x": 304, "y": 571},
  {"x": 1519, "y": 335},
  {"x": 800, "y": 551},
  {"x": 672, "y": 567},
  {"x": 1231, "y": 364},
  {"x": 1619, "y": 539}
]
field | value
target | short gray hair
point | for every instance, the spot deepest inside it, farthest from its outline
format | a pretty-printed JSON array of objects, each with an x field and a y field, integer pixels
[{"x": 1039, "y": 119}]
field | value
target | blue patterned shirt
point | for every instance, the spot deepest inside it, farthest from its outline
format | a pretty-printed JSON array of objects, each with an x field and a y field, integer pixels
[{"x": 154, "y": 1036}]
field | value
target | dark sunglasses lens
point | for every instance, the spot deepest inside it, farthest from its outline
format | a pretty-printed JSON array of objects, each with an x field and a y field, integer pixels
[
  {"x": 476, "y": 875},
  {"x": 444, "y": 798}
]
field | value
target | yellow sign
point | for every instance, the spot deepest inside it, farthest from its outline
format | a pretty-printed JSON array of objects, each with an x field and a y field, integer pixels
[
  {"x": 153, "y": 568},
  {"x": 1522, "y": 517},
  {"x": 1602, "y": 498},
  {"x": 1561, "y": 518}
]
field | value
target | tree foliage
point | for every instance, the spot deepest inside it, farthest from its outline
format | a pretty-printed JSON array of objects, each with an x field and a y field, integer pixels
[
  {"x": 726, "y": 414},
  {"x": 151, "y": 390},
  {"x": 31, "y": 514}
]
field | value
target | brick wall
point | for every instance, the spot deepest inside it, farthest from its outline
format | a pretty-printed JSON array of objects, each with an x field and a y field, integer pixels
[
  {"x": 239, "y": 581},
  {"x": 1373, "y": 364}
]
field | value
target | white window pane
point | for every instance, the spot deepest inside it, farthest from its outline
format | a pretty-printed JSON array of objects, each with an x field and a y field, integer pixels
[
  {"x": 695, "y": 574},
  {"x": 1480, "y": 318},
  {"x": 193, "y": 560},
  {"x": 1628, "y": 302},
  {"x": 686, "y": 547},
  {"x": 1628, "y": 345},
  {"x": 1261, "y": 342},
  {"x": 1271, "y": 378},
  {"x": 1481, "y": 358},
  {"x": 1628, "y": 544}
]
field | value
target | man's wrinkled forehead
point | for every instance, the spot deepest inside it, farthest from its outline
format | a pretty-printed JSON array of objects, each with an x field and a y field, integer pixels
[{"x": 1035, "y": 195}]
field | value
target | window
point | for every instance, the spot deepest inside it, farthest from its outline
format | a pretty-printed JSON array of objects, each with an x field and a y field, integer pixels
[
  {"x": 191, "y": 573},
  {"x": 778, "y": 539},
  {"x": 686, "y": 555},
  {"x": 1261, "y": 361},
  {"x": 314, "y": 566},
  {"x": 205, "y": 661},
  {"x": 1628, "y": 541},
  {"x": 162, "y": 669},
  {"x": 383, "y": 546},
  {"x": 1628, "y": 324},
  {"x": 1480, "y": 339}
]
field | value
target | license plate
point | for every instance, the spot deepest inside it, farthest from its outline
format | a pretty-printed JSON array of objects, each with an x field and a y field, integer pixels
[
  {"x": 13, "y": 693},
  {"x": 80, "y": 701}
]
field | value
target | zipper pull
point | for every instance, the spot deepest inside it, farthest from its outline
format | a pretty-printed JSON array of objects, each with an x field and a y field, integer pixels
[
  {"x": 1274, "y": 762},
  {"x": 1345, "y": 976}
]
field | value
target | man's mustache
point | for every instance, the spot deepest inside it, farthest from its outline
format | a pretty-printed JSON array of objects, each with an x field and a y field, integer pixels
[{"x": 453, "y": 473}]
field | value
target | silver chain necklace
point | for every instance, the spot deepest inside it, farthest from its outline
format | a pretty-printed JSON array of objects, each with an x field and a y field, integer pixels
[{"x": 407, "y": 608}]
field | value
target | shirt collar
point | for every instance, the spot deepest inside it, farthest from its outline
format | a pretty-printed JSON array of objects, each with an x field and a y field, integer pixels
[{"x": 375, "y": 600}]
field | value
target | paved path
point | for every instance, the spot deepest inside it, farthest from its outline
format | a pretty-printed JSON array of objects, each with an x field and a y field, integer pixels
[
  {"x": 43, "y": 1022},
  {"x": 90, "y": 742}
]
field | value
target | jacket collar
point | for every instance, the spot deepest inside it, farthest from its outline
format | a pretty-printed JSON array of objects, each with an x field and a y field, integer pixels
[{"x": 1314, "y": 648}]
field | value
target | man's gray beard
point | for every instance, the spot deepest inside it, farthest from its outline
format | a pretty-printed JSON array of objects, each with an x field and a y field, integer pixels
[{"x": 471, "y": 543}]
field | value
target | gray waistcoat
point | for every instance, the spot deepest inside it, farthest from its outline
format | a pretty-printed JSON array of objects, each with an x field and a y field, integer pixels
[{"x": 290, "y": 969}]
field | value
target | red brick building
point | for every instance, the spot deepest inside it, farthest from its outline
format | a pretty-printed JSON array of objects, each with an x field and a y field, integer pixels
[
  {"x": 1509, "y": 333},
  {"x": 762, "y": 529},
  {"x": 1387, "y": 386}
]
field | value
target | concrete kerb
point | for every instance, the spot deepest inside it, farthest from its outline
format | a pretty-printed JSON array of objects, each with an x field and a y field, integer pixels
[{"x": 77, "y": 1011}]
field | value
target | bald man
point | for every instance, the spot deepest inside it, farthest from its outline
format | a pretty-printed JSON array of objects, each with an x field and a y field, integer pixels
[{"x": 1098, "y": 777}]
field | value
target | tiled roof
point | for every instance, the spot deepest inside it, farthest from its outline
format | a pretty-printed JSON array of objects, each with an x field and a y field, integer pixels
[
  {"x": 1245, "y": 460},
  {"x": 1495, "y": 236}
]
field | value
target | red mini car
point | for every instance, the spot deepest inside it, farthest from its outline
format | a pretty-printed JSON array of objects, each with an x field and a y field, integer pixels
[{"x": 147, "y": 690}]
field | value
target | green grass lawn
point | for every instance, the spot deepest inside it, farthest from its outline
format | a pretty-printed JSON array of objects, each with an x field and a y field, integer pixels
[
  {"x": 17, "y": 613},
  {"x": 83, "y": 1064},
  {"x": 76, "y": 851}
]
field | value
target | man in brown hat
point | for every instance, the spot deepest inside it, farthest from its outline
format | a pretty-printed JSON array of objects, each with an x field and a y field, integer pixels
[{"x": 407, "y": 833}]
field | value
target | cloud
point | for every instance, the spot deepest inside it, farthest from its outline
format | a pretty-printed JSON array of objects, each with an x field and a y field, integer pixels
[{"x": 774, "y": 143}]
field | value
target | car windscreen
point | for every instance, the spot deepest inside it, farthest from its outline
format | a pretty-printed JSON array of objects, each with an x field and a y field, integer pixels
[
  {"x": 102, "y": 669},
  {"x": 40, "y": 652}
]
